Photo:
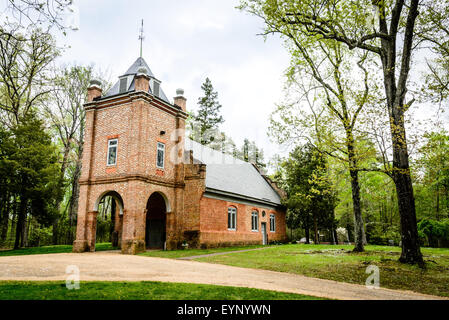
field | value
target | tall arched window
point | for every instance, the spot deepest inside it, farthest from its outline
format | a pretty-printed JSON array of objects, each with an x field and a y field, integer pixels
[
  {"x": 255, "y": 221},
  {"x": 232, "y": 218},
  {"x": 272, "y": 223}
]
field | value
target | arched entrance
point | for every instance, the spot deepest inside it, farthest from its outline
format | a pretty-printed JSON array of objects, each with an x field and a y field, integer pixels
[
  {"x": 156, "y": 218},
  {"x": 109, "y": 220}
]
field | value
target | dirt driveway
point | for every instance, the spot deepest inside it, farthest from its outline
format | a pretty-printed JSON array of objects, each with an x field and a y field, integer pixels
[{"x": 113, "y": 266}]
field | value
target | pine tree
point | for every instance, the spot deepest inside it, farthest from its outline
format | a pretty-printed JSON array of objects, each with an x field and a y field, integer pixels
[
  {"x": 208, "y": 116},
  {"x": 34, "y": 178}
]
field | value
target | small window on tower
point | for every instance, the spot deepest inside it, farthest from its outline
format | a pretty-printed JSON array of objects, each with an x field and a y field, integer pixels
[
  {"x": 156, "y": 88},
  {"x": 123, "y": 85},
  {"x": 160, "y": 155},
  {"x": 112, "y": 152}
]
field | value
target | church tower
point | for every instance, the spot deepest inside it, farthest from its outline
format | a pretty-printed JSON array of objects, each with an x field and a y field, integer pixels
[{"x": 133, "y": 147}]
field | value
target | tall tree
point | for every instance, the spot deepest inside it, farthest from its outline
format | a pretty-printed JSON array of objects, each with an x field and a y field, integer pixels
[
  {"x": 66, "y": 115},
  {"x": 434, "y": 165},
  {"x": 24, "y": 71},
  {"x": 34, "y": 177},
  {"x": 310, "y": 195},
  {"x": 335, "y": 101},
  {"x": 353, "y": 24},
  {"x": 208, "y": 118}
]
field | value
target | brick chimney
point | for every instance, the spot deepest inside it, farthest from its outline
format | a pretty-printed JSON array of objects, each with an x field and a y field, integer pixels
[
  {"x": 94, "y": 90},
  {"x": 142, "y": 80},
  {"x": 180, "y": 100}
]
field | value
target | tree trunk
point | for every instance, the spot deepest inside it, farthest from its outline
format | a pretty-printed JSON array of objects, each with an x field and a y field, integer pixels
[
  {"x": 24, "y": 239},
  {"x": 307, "y": 229},
  {"x": 20, "y": 222},
  {"x": 4, "y": 223},
  {"x": 315, "y": 229},
  {"x": 395, "y": 94},
  {"x": 60, "y": 194},
  {"x": 359, "y": 232},
  {"x": 438, "y": 202},
  {"x": 411, "y": 252}
]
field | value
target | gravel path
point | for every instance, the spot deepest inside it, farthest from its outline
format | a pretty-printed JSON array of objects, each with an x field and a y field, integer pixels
[{"x": 113, "y": 266}]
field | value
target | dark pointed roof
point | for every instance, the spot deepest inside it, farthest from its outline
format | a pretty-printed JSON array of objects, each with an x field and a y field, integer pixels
[
  {"x": 136, "y": 65},
  {"x": 131, "y": 72}
]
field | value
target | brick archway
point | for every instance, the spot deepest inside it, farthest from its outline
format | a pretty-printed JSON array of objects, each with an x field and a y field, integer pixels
[
  {"x": 156, "y": 221},
  {"x": 117, "y": 212},
  {"x": 117, "y": 197}
]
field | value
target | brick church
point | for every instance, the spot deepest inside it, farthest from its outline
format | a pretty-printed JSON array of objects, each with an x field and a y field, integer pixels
[{"x": 168, "y": 191}]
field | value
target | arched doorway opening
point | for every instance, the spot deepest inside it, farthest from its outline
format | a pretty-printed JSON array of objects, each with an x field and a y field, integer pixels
[
  {"x": 109, "y": 222},
  {"x": 156, "y": 219}
]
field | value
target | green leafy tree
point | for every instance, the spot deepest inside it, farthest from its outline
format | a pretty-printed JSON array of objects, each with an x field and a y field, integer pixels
[
  {"x": 24, "y": 71},
  {"x": 389, "y": 35},
  {"x": 34, "y": 178},
  {"x": 310, "y": 197},
  {"x": 433, "y": 178}
]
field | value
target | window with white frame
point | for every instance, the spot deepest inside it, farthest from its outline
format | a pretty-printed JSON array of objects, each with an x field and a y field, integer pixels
[
  {"x": 232, "y": 218},
  {"x": 272, "y": 223},
  {"x": 160, "y": 161},
  {"x": 255, "y": 221},
  {"x": 112, "y": 152}
]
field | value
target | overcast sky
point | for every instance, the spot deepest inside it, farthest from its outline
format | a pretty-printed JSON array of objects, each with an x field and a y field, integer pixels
[{"x": 185, "y": 42}]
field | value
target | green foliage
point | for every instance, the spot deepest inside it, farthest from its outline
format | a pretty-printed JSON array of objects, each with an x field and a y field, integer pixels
[
  {"x": 432, "y": 176},
  {"x": 310, "y": 196},
  {"x": 40, "y": 237},
  {"x": 381, "y": 234},
  {"x": 434, "y": 232},
  {"x": 36, "y": 168},
  {"x": 29, "y": 167},
  {"x": 208, "y": 117}
]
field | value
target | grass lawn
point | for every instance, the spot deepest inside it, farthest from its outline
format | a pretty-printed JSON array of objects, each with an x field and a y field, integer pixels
[
  {"x": 145, "y": 290},
  {"x": 192, "y": 252},
  {"x": 341, "y": 264},
  {"x": 50, "y": 249}
]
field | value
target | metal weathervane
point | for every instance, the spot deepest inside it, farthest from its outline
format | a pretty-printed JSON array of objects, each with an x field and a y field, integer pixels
[{"x": 141, "y": 38}]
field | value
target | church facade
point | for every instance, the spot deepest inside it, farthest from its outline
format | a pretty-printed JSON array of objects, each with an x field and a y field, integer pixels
[{"x": 169, "y": 191}]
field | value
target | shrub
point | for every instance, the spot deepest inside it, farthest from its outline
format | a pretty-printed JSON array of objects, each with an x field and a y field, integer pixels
[
  {"x": 433, "y": 232},
  {"x": 40, "y": 237},
  {"x": 379, "y": 233}
]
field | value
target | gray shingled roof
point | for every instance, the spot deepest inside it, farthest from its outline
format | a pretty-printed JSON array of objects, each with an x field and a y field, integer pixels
[
  {"x": 230, "y": 175},
  {"x": 132, "y": 71}
]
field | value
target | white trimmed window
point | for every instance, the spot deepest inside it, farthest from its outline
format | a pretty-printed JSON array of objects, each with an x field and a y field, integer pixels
[
  {"x": 272, "y": 223},
  {"x": 160, "y": 159},
  {"x": 112, "y": 152},
  {"x": 255, "y": 221},
  {"x": 232, "y": 218}
]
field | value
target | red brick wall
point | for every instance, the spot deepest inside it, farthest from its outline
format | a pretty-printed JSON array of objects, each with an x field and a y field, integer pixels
[
  {"x": 136, "y": 120},
  {"x": 214, "y": 224}
]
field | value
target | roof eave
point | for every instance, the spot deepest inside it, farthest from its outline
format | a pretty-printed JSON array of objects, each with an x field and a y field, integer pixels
[{"x": 243, "y": 197}]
